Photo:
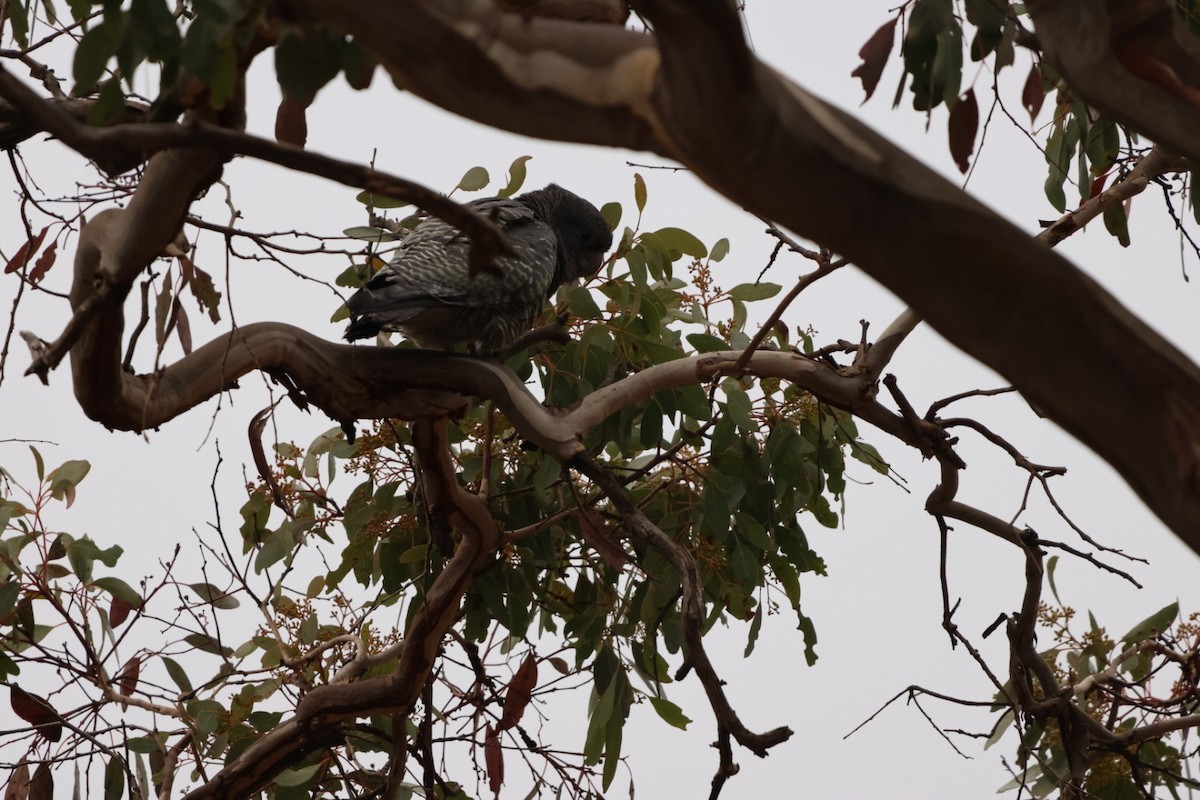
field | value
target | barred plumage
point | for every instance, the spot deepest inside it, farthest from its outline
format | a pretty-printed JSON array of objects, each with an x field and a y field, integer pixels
[{"x": 427, "y": 293}]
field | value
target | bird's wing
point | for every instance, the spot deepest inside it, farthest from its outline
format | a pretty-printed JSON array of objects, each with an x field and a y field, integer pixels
[{"x": 430, "y": 267}]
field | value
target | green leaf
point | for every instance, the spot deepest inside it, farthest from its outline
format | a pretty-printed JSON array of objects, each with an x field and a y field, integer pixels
[
  {"x": 358, "y": 65},
  {"x": 366, "y": 233},
  {"x": 612, "y": 215},
  {"x": 682, "y": 241},
  {"x": 719, "y": 250},
  {"x": 1153, "y": 625},
  {"x": 38, "y": 463},
  {"x": 749, "y": 292},
  {"x": 1117, "y": 223},
  {"x": 299, "y": 776},
  {"x": 639, "y": 192},
  {"x": 9, "y": 593},
  {"x": 379, "y": 200},
  {"x": 516, "y": 177},
  {"x": 120, "y": 589},
  {"x": 307, "y": 60},
  {"x": 474, "y": 179},
  {"x": 178, "y": 674},
  {"x": 92, "y": 54},
  {"x": 276, "y": 548},
  {"x": 206, "y": 644},
  {"x": 114, "y": 778},
  {"x": 19, "y": 21},
  {"x": 64, "y": 480},
  {"x": 706, "y": 343},
  {"x": 214, "y": 596}
]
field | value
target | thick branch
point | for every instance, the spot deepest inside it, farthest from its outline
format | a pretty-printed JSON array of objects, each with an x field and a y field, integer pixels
[
  {"x": 314, "y": 725},
  {"x": 1135, "y": 60}
]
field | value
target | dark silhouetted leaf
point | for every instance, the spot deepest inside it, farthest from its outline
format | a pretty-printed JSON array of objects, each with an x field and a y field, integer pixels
[
  {"x": 964, "y": 124},
  {"x": 874, "y": 55},
  {"x": 42, "y": 785},
  {"x": 37, "y": 712}
]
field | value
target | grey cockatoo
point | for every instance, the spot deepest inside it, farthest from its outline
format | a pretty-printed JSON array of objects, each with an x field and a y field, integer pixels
[{"x": 427, "y": 293}]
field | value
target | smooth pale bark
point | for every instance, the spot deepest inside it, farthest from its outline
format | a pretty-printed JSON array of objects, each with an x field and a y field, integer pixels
[{"x": 695, "y": 93}]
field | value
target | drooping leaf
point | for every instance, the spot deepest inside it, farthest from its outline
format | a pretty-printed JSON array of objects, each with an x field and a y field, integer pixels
[
  {"x": 119, "y": 588},
  {"x": 118, "y": 611},
  {"x": 291, "y": 120},
  {"x": 963, "y": 126},
  {"x": 44, "y": 262},
  {"x": 1116, "y": 222},
  {"x": 25, "y": 252},
  {"x": 127, "y": 678},
  {"x": 519, "y": 693},
  {"x": 874, "y": 54},
  {"x": 37, "y": 711},
  {"x": 1032, "y": 94},
  {"x": 493, "y": 757}
]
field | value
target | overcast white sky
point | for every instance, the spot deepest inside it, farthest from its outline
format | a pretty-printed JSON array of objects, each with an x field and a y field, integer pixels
[{"x": 878, "y": 613}]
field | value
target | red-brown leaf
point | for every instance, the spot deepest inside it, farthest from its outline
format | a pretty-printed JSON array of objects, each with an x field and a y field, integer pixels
[
  {"x": 559, "y": 664},
  {"x": 291, "y": 123},
  {"x": 600, "y": 537},
  {"x": 44, "y": 263},
  {"x": 42, "y": 785},
  {"x": 36, "y": 711},
  {"x": 1033, "y": 95},
  {"x": 874, "y": 55},
  {"x": 25, "y": 252},
  {"x": 118, "y": 612},
  {"x": 128, "y": 679},
  {"x": 964, "y": 124},
  {"x": 520, "y": 691},
  {"x": 493, "y": 757},
  {"x": 1098, "y": 185}
]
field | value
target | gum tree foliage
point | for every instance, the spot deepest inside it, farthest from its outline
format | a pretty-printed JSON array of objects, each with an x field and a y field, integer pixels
[{"x": 657, "y": 480}]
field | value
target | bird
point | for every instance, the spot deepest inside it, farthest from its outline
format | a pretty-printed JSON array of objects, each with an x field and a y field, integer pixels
[{"x": 427, "y": 292}]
